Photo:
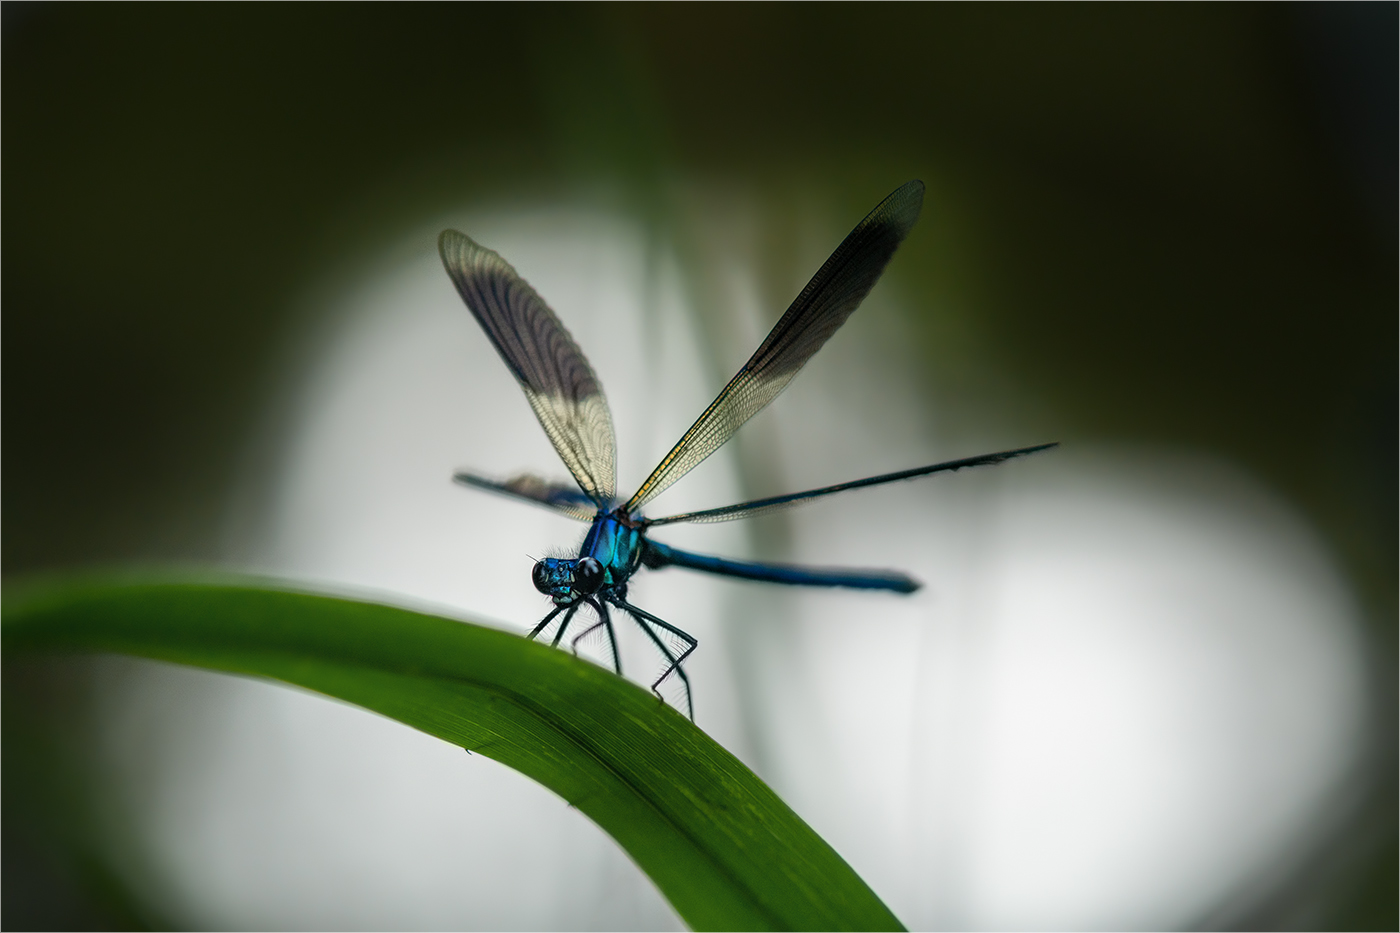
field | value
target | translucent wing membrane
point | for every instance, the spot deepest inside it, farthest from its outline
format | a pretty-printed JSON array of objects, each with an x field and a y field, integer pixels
[
  {"x": 759, "y": 506},
  {"x": 834, "y": 292},
  {"x": 558, "y": 382},
  {"x": 560, "y": 498}
]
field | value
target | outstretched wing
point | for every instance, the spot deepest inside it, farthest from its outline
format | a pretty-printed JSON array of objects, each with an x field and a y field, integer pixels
[
  {"x": 758, "y": 506},
  {"x": 563, "y": 499},
  {"x": 558, "y": 382},
  {"x": 837, "y": 289}
]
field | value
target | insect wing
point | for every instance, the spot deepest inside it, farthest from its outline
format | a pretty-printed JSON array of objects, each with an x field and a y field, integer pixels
[
  {"x": 553, "y": 372},
  {"x": 837, "y": 289},
  {"x": 566, "y": 500},
  {"x": 730, "y": 513}
]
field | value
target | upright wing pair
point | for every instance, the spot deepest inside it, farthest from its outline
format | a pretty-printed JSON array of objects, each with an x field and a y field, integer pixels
[{"x": 567, "y": 397}]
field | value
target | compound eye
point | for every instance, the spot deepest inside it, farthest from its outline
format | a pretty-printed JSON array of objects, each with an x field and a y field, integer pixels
[
  {"x": 540, "y": 576},
  {"x": 588, "y": 575}
]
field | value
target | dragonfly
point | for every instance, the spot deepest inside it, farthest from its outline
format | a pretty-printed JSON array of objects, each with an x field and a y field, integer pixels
[{"x": 567, "y": 398}]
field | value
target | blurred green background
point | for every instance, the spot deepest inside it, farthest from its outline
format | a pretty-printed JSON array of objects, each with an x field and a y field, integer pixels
[{"x": 1178, "y": 224}]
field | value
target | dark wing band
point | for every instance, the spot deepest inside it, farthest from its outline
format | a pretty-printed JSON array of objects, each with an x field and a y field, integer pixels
[
  {"x": 558, "y": 382},
  {"x": 837, "y": 289},
  {"x": 563, "y": 499},
  {"x": 758, "y": 506}
]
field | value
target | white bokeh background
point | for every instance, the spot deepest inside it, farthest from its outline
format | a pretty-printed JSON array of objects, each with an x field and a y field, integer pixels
[{"x": 1131, "y": 685}]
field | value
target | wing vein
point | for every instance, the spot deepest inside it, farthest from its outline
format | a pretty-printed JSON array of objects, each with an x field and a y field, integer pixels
[
  {"x": 557, "y": 380},
  {"x": 754, "y": 507},
  {"x": 819, "y": 310}
]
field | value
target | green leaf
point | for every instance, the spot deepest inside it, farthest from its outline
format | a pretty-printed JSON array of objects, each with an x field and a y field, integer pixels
[{"x": 719, "y": 844}]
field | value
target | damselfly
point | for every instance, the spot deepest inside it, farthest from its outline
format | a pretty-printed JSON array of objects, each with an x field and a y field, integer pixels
[{"x": 568, "y": 400}]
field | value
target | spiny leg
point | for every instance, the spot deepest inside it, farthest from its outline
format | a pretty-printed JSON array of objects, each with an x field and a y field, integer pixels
[
  {"x": 588, "y": 631},
  {"x": 605, "y": 622},
  {"x": 643, "y": 617},
  {"x": 543, "y": 622},
  {"x": 568, "y": 617},
  {"x": 672, "y": 666}
]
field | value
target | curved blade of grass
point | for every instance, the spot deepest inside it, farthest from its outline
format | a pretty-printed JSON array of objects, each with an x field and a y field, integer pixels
[{"x": 721, "y": 846}]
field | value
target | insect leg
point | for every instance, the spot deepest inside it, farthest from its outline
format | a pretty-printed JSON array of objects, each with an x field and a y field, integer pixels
[
  {"x": 543, "y": 622},
  {"x": 604, "y": 622},
  {"x": 643, "y": 617},
  {"x": 585, "y": 633},
  {"x": 568, "y": 617}
]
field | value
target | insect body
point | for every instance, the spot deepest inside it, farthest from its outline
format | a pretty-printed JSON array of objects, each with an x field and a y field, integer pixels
[{"x": 567, "y": 398}]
